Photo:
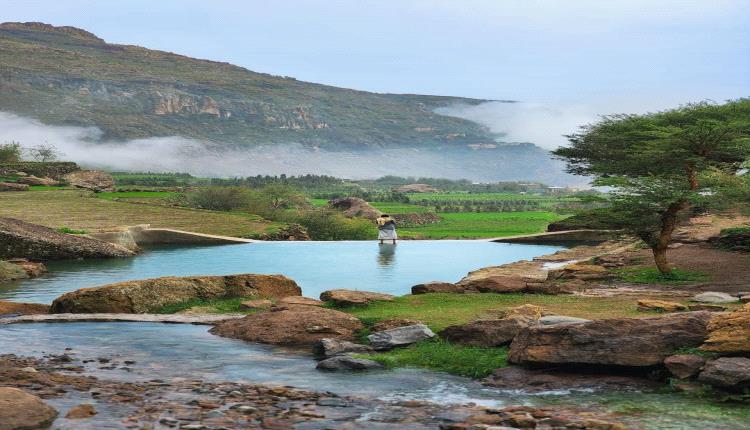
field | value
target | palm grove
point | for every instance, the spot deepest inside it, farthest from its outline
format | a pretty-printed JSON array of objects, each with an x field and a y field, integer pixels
[{"x": 666, "y": 165}]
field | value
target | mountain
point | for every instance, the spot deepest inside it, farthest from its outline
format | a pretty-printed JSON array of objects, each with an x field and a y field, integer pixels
[{"x": 68, "y": 76}]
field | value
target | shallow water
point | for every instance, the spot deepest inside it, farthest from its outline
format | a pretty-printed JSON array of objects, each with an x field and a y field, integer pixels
[
  {"x": 185, "y": 351},
  {"x": 316, "y": 266}
]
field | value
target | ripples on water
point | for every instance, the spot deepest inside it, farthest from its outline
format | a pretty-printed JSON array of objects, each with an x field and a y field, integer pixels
[{"x": 316, "y": 266}]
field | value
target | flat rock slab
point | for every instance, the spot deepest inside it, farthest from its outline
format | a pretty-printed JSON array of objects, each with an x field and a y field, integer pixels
[{"x": 155, "y": 318}]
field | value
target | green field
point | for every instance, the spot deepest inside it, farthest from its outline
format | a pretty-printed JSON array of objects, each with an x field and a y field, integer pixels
[
  {"x": 399, "y": 208},
  {"x": 482, "y": 225}
]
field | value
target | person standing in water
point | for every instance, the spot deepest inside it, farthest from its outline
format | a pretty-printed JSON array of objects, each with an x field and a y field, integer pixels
[{"x": 386, "y": 229}]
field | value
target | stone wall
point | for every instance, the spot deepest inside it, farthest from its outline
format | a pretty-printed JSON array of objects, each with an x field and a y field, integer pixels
[{"x": 53, "y": 170}]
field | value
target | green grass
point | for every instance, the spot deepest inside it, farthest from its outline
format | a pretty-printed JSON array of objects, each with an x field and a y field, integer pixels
[
  {"x": 319, "y": 202},
  {"x": 215, "y": 306},
  {"x": 136, "y": 195},
  {"x": 469, "y": 361},
  {"x": 459, "y": 196},
  {"x": 68, "y": 230},
  {"x": 472, "y": 225},
  {"x": 651, "y": 275},
  {"x": 399, "y": 208}
]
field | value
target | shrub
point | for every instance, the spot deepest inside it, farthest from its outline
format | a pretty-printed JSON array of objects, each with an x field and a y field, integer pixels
[
  {"x": 219, "y": 198},
  {"x": 10, "y": 152},
  {"x": 325, "y": 224}
]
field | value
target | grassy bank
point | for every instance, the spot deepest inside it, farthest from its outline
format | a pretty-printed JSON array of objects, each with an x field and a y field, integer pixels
[{"x": 79, "y": 210}]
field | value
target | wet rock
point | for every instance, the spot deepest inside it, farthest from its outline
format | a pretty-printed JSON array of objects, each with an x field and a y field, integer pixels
[
  {"x": 298, "y": 300},
  {"x": 486, "y": 333},
  {"x": 347, "y": 362},
  {"x": 22, "y": 239},
  {"x": 714, "y": 297},
  {"x": 93, "y": 180},
  {"x": 401, "y": 336},
  {"x": 295, "y": 326},
  {"x": 149, "y": 295},
  {"x": 549, "y": 320},
  {"x": 393, "y": 323},
  {"x": 660, "y": 306},
  {"x": 81, "y": 412},
  {"x": 638, "y": 342},
  {"x": 20, "y": 410},
  {"x": 256, "y": 304},
  {"x": 353, "y": 297},
  {"x": 729, "y": 333},
  {"x": 327, "y": 348},
  {"x": 19, "y": 308},
  {"x": 729, "y": 373},
  {"x": 684, "y": 365},
  {"x": 13, "y": 186},
  {"x": 436, "y": 287}
]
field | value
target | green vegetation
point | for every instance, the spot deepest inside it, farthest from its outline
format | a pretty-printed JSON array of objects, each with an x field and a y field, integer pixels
[
  {"x": 10, "y": 152},
  {"x": 216, "y": 306},
  {"x": 469, "y": 361},
  {"x": 68, "y": 230},
  {"x": 482, "y": 225},
  {"x": 663, "y": 165},
  {"x": 651, "y": 275}
]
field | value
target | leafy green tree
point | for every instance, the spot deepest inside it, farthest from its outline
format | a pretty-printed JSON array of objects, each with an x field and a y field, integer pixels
[
  {"x": 10, "y": 152},
  {"x": 656, "y": 163}
]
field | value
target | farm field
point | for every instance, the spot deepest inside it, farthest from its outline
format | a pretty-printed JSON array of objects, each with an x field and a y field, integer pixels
[{"x": 473, "y": 225}]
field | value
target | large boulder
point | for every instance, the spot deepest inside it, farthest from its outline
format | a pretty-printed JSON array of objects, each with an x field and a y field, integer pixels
[
  {"x": 22, "y": 239},
  {"x": 436, "y": 287},
  {"x": 684, "y": 365},
  {"x": 327, "y": 348},
  {"x": 486, "y": 332},
  {"x": 494, "y": 284},
  {"x": 400, "y": 336},
  {"x": 13, "y": 186},
  {"x": 660, "y": 305},
  {"x": 20, "y": 410},
  {"x": 355, "y": 207},
  {"x": 94, "y": 180},
  {"x": 353, "y": 297},
  {"x": 33, "y": 180},
  {"x": 291, "y": 326},
  {"x": 715, "y": 297},
  {"x": 347, "y": 362},
  {"x": 581, "y": 271},
  {"x": 20, "y": 308},
  {"x": 637, "y": 342},
  {"x": 149, "y": 295},
  {"x": 729, "y": 373},
  {"x": 729, "y": 333}
]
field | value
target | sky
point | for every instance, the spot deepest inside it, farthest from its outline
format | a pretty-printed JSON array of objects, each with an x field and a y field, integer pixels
[{"x": 567, "y": 61}]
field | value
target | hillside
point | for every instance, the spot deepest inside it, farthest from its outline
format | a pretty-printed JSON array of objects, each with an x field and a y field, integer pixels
[{"x": 67, "y": 76}]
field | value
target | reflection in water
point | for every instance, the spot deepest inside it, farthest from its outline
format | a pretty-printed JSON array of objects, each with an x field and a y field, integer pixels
[{"x": 386, "y": 254}]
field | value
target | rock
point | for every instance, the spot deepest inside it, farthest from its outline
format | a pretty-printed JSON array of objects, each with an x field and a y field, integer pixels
[
  {"x": 20, "y": 410},
  {"x": 11, "y": 272},
  {"x": 416, "y": 188},
  {"x": 585, "y": 272},
  {"x": 684, "y": 365},
  {"x": 637, "y": 342},
  {"x": 355, "y": 207},
  {"x": 19, "y": 308},
  {"x": 32, "y": 268},
  {"x": 494, "y": 284},
  {"x": 660, "y": 306},
  {"x": 529, "y": 311},
  {"x": 552, "y": 288},
  {"x": 392, "y": 323},
  {"x": 551, "y": 320},
  {"x": 745, "y": 299},
  {"x": 294, "y": 326},
  {"x": 149, "y": 295},
  {"x": 22, "y": 239},
  {"x": 94, "y": 180},
  {"x": 12, "y": 186},
  {"x": 730, "y": 373},
  {"x": 291, "y": 232},
  {"x": 729, "y": 333},
  {"x": 327, "y": 348},
  {"x": 436, "y": 287},
  {"x": 540, "y": 380},
  {"x": 33, "y": 180},
  {"x": 298, "y": 300},
  {"x": 714, "y": 297},
  {"x": 353, "y": 297},
  {"x": 256, "y": 304},
  {"x": 81, "y": 412},
  {"x": 709, "y": 308},
  {"x": 346, "y": 362},
  {"x": 486, "y": 333},
  {"x": 401, "y": 336}
]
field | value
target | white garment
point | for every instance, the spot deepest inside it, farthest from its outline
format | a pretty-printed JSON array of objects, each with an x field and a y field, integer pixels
[{"x": 387, "y": 234}]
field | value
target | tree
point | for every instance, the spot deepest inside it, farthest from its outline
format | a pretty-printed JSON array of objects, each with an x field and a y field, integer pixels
[
  {"x": 44, "y": 153},
  {"x": 656, "y": 163},
  {"x": 10, "y": 152}
]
